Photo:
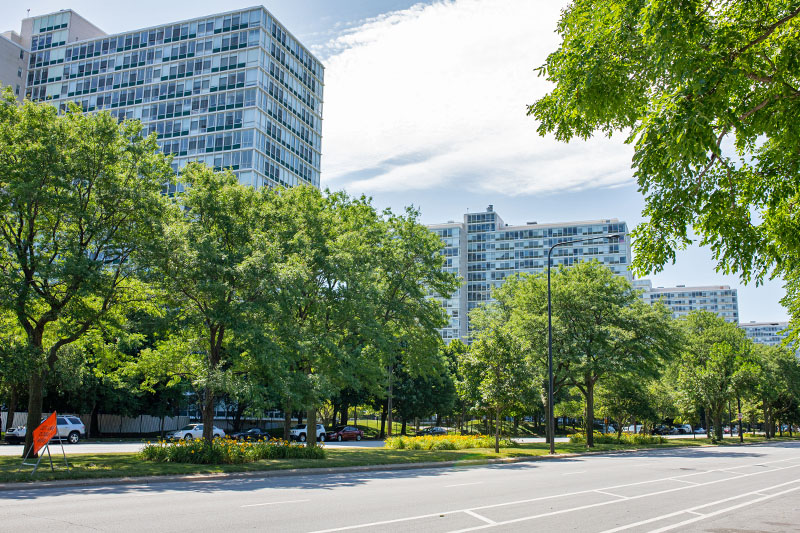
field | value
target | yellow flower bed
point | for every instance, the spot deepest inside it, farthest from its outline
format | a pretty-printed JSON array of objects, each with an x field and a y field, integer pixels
[{"x": 445, "y": 442}]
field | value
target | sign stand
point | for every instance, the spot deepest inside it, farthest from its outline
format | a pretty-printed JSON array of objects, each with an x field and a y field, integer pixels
[
  {"x": 42, "y": 436},
  {"x": 39, "y": 460}
]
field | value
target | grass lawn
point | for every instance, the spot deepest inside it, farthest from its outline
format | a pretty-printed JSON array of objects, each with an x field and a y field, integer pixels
[{"x": 86, "y": 466}]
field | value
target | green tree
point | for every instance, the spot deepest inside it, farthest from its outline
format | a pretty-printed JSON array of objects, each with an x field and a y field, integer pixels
[
  {"x": 776, "y": 385},
  {"x": 600, "y": 328},
  {"x": 708, "y": 92},
  {"x": 81, "y": 200},
  {"x": 715, "y": 363},
  {"x": 216, "y": 265},
  {"x": 409, "y": 267},
  {"x": 325, "y": 279},
  {"x": 498, "y": 361},
  {"x": 625, "y": 398}
]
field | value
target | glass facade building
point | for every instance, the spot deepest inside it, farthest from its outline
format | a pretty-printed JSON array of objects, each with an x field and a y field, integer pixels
[
  {"x": 682, "y": 300},
  {"x": 483, "y": 251},
  {"x": 233, "y": 90},
  {"x": 769, "y": 333}
]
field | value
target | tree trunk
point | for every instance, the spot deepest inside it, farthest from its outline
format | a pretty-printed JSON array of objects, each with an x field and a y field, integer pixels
[
  {"x": 344, "y": 410},
  {"x": 237, "y": 417},
  {"x": 719, "y": 432},
  {"x": 766, "y": 421},
  {"x": 497, "y": 431},
  {"x": 35, "y": 386},
  {"x": 287, "y": 420},
  {"x": 208, "y": 415},
  {"x": 311, "y": 426},
  {"x": 299, "y": 417},
  {"x": 12, "y": 408},
  {"x": 589, "y": 413},
  {"x": 94, "y": 423},
  {"x": 389, "y": 400},
  {"x": 403, "y": 427},
  {"x": 383, "y": 421}
]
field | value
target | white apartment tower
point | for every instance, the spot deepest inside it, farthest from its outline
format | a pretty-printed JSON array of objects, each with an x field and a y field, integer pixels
[
  {"x": 233, "y": 90},
  {"x": 483, "y": 250},
  {"x": 682, "y": 300}
]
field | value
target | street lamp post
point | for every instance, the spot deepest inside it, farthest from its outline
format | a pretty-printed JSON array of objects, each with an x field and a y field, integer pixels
[{"x": 550, "y": 424}]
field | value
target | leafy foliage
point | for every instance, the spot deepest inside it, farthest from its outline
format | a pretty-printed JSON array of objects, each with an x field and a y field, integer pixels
[{"x": 709, "y": 94}]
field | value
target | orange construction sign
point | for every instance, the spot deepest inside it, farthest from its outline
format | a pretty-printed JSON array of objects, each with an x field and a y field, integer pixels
[{"x": 42, "y": 434}]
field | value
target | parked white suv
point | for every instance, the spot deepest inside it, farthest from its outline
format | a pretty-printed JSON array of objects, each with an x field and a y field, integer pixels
[
  {"x": 299, "y": 433},
  {"x": 68, "y": 427},
  {"x": 193, "y": 431}
]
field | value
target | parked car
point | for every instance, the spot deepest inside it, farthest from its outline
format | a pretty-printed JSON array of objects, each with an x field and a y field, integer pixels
[
  {"x": 683, "y": 429},
  {"x": 700, "y": 431},
  {"x": 252, "y": 434},
  {"x": 193, "y": 431},
  {"x": 68, "y": 427},
  {"x": 660, "y": 430},
  {"x": 341, "y": 433},
  {"x": 633, "y": 428},
  {"x": 433, "y": 430},
  {"x": 299, "y": 433}
]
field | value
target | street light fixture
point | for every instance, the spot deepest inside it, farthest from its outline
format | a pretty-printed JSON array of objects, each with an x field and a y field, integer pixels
[{"x": 550, "y": 424}]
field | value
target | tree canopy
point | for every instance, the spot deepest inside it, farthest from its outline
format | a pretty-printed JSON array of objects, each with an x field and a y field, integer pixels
[
  {"x": 81, "y": 201},
  {"x": 708, "y": 92}
]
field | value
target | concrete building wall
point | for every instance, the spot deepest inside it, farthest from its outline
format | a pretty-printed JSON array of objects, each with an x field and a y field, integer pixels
[{"x": 13, "y": 58}]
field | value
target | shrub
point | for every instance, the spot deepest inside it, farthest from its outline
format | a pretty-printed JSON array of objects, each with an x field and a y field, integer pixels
[
  {"x": 445, "y": 442},
  {"x": 626, "y": 438},
  {"x": 226, "y": 451}
]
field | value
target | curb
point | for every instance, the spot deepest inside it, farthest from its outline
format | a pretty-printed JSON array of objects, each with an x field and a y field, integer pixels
[{"x": 265, "y": 474}]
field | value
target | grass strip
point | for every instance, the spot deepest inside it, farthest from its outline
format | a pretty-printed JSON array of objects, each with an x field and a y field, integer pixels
[{"x": 112, "y": 465}]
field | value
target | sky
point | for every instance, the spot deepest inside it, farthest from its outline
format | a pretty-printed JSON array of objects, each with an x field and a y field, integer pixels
[{"x": 425, "y": 104}]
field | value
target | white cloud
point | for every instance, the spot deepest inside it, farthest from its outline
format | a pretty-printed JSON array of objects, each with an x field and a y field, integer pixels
[{"x": 435, "y": 96}]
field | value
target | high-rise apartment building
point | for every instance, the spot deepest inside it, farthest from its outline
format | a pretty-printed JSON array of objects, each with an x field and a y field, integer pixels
[
  {"x": 234, "y": 90},
  {"x": 483, "y": 251},
  {"x": 13, "y": 61},
  {"x": 769, "y": 333},
  {"x": 682, "y": 300}
]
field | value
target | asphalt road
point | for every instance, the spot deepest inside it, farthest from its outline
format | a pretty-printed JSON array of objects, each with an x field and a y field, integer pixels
[{"x": 748, "y": 488}]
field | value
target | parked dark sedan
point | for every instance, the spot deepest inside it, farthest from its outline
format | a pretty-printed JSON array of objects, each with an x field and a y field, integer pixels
[
  {"x": 252, "y": 434},
  {"x": 660, "y": 430},
  {"x": 341, "y": 433},
  {"x": 432, "y": 431}
]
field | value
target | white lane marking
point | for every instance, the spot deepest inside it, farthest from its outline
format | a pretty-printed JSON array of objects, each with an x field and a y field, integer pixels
[
  {"x": 582, "y": 507},
  {"x": 577, "y": 493},
  {"x": 573, "y": 473},
  {"x": 463, "y": 484},
  {"x": 612, "y": 494},
  {"x": 481, "y": 517},
  {"x": 690, "y": 510},
  {"x": 684, "y": 481},
  {"x": 726, "y": 510},
  {"x": 695, "y": 512},
  {"x": 274, "y": 503}
]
